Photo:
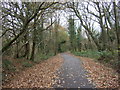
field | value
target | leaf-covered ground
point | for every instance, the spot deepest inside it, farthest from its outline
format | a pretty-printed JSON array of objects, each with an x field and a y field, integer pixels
[
  {"x": 100, "y": 75},
  {"x": 41, "y": 75}
]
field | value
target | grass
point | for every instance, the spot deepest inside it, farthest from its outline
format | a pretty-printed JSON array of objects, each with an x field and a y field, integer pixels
[
  {"x": 106, "y": 57},
  {"x": 91, "y": 54},
  {"x": 103, "y": 55},
  {"x": 95, "y": 54}
]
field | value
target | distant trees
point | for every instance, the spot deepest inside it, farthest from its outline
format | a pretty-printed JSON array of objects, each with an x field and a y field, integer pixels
[
  {"x": 98, "y": 30},
  {"x": 79, "y": 38},
  {"x": 102, "y": 16},
  {"x": 29, "y": 28},
  {"x": 72, "y": 33},
  {"x": 84, "y": 22}
]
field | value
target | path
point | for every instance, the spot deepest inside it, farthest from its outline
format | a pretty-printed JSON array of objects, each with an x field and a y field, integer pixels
[{"x": 72, "y": 74}]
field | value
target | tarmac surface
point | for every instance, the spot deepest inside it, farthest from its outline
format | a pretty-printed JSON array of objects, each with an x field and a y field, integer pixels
[{"x": 72, "y": 74}]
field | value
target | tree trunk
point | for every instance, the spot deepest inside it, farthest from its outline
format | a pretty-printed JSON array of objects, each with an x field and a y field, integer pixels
[
  {"x": 33, "y": 52},
  {"x": 56, "y": 39},
  {"x": 117, "y": 32},
  {"x": 17, "y": 52},
  {"x": 26, "y": 47},
  {"x": 34, "y": 42}
]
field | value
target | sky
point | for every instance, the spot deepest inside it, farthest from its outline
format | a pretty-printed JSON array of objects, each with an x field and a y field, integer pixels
[{"x": 65, "y": 15}]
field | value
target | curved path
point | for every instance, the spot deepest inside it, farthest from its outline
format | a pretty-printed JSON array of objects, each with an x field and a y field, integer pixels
[{"x": 72, "y": 74}]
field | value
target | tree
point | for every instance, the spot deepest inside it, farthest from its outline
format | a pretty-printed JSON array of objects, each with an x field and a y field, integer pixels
[
  {"x": 26, "y": 18},
  {"x": 72, "y": 33},
  {"x": 74, "y": 7},
  {"x": 79, "y": 38}
]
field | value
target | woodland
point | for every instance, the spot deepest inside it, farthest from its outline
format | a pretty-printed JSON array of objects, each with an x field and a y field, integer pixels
[{"x": 35, "y": 31}]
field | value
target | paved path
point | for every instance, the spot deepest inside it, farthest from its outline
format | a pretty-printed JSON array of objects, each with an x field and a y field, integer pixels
[{"x": 72, "y": 74}]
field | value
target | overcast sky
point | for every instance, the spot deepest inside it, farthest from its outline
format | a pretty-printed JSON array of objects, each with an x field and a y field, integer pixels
[{"x": 65, "y": 15}]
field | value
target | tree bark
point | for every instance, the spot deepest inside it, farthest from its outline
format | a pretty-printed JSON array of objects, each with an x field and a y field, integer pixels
[
  {"x": 117, "y": 31},
  {"x": 33, "y": 52},
  {"x": 34, "y": 41},
  {"x": 26, "y": 46},
  {"x": 17, "y": 52}
]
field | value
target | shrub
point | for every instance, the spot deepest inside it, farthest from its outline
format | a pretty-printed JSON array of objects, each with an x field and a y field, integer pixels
[
  {"x": 27, "y": 64},
  {"x": 42, "y": 57},
  {"x": 106, "y": 56},
  {"x": 7, "y": 64},
  {"x": 103, "y": 55},
  {"x": 91, "y": 54}
]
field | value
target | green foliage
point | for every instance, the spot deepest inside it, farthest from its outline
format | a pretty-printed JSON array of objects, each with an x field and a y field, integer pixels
[
  {"x": 44, "y": 56},
  {"x": 103, "y": 56},
  {"x": 40, "y": 57},
  {"x": 27, "y": 64},
  {"x": 91, "y": 54},
  {"x": 63, "y": 36},
  {"x": 106, "y": 56},
  {"x": 7, "y": 64}
]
